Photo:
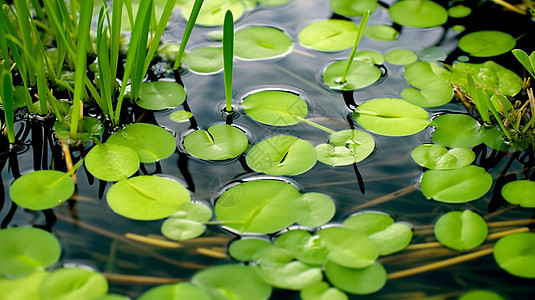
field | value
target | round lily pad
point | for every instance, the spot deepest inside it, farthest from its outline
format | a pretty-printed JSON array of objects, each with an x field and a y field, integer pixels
[
  {"x": 220, "y": 142},
  {"x": 461, "y": 230},
  {"x": 147, "y": 197},
  {"x": 381, "y": 33},
  {"x": 26, "y": 287},
  {"x": 433, "y": 90},
  {"x": 432, "y": 54},
  {"x": 400, "y": 56},
  {"x": 73, "y": 283},
  {"x": 212, "y": 12},
  {"x": 391, "y": 116},
  {"x": 260, "y": 42},
  {"x": 362, "y": 73},
  {"x": 150, "y": 142},
  {"x": 322, "y": 291},
  {"x": 314, "y": 209},
  {"x": 275, "y": 107},
  {"x": 111, "y": 162},
  {"x": 352, "y": 8},
  {"x": 487, "y": 43},
  {"x": 181, "y": 290},
  {"x": 372, "y": 56},
  {"x": 41, "y": 189},
  {"x": 328, "y": 35},
  {"x": 204, "y": 60},
  {"x": 356, "y": 281},
  {"x": 481, "y": 294},
  {"x": 247, "y": 249},
  {"x": 515, "y": 253},
  {"x": 304, "y": 246},
  {"x": 26, "y": 249},
  {"x": 158, "y": 95},
  {"x": 346, "y": 147},
  {"x": 520, "y": 192},
  {"x": 180, "y": 116},
  {"x": 348, "y": 248},
  {"x": 456, "y": 131},
  {"x": 282, "y": 155},
  {"x": 418, "y": 13},
  {"x": 180, "y": 229},
  {"x": 434, "y": 156},
  {"x": 456, "y": 186},
  {"x": 459, "y": 11}
]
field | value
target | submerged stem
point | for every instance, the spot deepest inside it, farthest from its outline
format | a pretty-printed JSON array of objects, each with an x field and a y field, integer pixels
[{"x": 360, "y": 31}]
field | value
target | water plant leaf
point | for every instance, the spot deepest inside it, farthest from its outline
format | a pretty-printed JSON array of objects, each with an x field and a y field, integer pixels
[
  {"x": 147, "y": 197},
  {"x": 349, "y": 248},
  {"x": 400, "y": 56},
  {"x": 456, "y": 131},
  {"x": 314, "y": 209},
  {"x": 150, "y": 142},
  {"x": 356, "y": 281},
  {"x": 489, "y": 75},
  {"x": 232, "y": 282},
  {"x": 416, "y": 13},
  {"x": 432, "y": 53},
  {"x": 91, "y": 128},
  {"x": 282, "y": 155},
  {"x": 247, "y": 249},
  {"x": 481, "y": 294},
  {"x": 212, "y": 12},
  {"x": 346, "y": 147},
  {"x": 461, "y": 230},
  {"x": 515, "y": 253},
  {"x": 158, "y": 95},
  {"x": 275, "y": 107},
  {"x": 111, "y": 162},
  {"x": 304, "y": 246},
  {"x": 41, "y": 189},
  {"x": 73, "y": 283},
  {"x": 372, "y": 56},
  {"x": 496, "y": 139},
  {"x": 435, "y": 156},
  {"x": 459, "y": 11},
  {"x": 322, "y": 291},
  {"x": 26, "y": 249},
  {"x": 361, "y": 74},
  {"x": 528, "y": 62},
  {"x": 433, "y": 90},
  {"x": 351, "y": 8},
  {"x": 22, "y": 288},
  {"x": 273, "y": 2},
  {"x": 195, "y": 211},
  {"x": 180, "y": 116},
  {"x": 391, "y": 116},
  {"x": 181, "y": 290},
  {"x": 111, "y": 297},
  {"x": 180, "y": 229},
  {"x": 457, "y": 185},
  {"x": 328, "y": 35},
  {"x": 219, "y": 142},
  {"x": 381, "y": 33},
  {"x": 204, "y": 60},
  {"x": 261, "y": 42},
  {"x": 261, "y": 206},
  {"x": 520, "y": 192},
  {"x": 390, "y": 237},
  {"x": 487, "y": 43}
]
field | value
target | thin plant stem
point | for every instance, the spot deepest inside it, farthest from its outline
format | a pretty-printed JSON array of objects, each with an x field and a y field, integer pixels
[
  {"x": 228, "y": 57},
  {"x": 360, "y": 31},
  {"x": 187, "y": 32},
  {"x": 137, "y": 279},
  {"x": 67, "y": 174},
  {"x": 394, "y": 195},
  {"x": 6, "y": 96},
  {"x": 153, "y": 241}
]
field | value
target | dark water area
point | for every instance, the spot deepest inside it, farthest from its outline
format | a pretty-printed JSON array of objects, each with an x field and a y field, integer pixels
[{"x": 93, "y": 235}]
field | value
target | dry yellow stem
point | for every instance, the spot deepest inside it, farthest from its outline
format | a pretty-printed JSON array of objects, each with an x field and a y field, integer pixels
[
  {"x": 152, "y": 241},
  {"x": 140, "y": 279},
  {"x": 212, "y": 253}
]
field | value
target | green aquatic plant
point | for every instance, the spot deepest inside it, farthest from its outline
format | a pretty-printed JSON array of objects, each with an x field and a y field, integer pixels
[
  {"x": 461, "y": 230},
  {"x": 187, "y": 32},
  {"x": 228, "y": 58}
]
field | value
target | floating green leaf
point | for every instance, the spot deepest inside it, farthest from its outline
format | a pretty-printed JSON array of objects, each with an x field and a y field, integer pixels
[
  {"x": 520, "y": 192},
  {"x": 456, "y": 131},
  {"x": 274, "y": 107},
  {"x": 349, "y": 248},
  {"x": 346, "y": 147},
  {"x": 26, "y": 249},
  {"x": 432, "y": 54},
  {"x": 147, "y": 197},
  {"x": 150, "y": 142},
  {"x": 314, "y": 209},
  {"x": 261, "y": 42},
  {"x": 391, "y": 116},
  {"x": 204, "y": 60},
  {"x": 372, "y": 56},
  {"x": 322, "y": 291},
  {"x": 461, "y": 230},
  {"x": 180, "y": 116},
  {"x": 179, "y": 291},
  {"x": 381, "y": 33},
  {"x": 247, "y": 249},
  {"x": 459, "y": 11},
  {"x": 361, "y": 74},
  {"x": 304, "y": 246},
  {"x": 487, "y": 43},
  {"x": 187, "y": 222},
  {"x": 232, "y": 282},
  {"x": 351, "y": 8},
  {"x": 434, "y": 91},
  {"x": 456, "y": 186},
  {"x": 220, "y": 142},
  {"x": 91, "y": 128},
  {"x": 111, "y": 162},
  {"x": 73, "y": 283},
  {"x": 282, "y": 155},
  {"x": 400, "y": 56},
  {"x": 418, "y": 13},
  {"x": 212, "y": 12},
  {"x": 328, "y": 35},
  {"x": 356, "y": 281},
  {"x": 158, "y": 95},
  {"x": 515, "y": 253},
  {"x": 22, "y": 288},
  {"x": 41, "y": 189},
  {"x": 435, "y": 156},
  {"x": 481, "y": 294}
]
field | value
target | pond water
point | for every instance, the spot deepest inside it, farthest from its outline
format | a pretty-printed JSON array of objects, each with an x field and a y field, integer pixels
[{"x": 93, "y": 235}]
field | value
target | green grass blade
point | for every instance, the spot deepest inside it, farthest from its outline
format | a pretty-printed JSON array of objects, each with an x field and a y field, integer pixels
[
  {"x": 228, "y": 57},
  {"x": 187, "y": 32},
  {"x": 23, "y": 15},
  {"x": 360, "y": 31},
  {"x": 160, "y": 28},
  {"x": 481, "y": 105},
  {"x": 103, "y": 62},
  {"x": 137, "y": 74},
  {"x": 6, "y": 88},
  {"x": 524, "y": 59},
  {"x": 115, "y": 38}
]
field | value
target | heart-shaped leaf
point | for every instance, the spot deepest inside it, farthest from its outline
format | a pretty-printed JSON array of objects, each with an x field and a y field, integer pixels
[
  {"x": 220, "y": 142},
  {"x": 41, "y": 189}
]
